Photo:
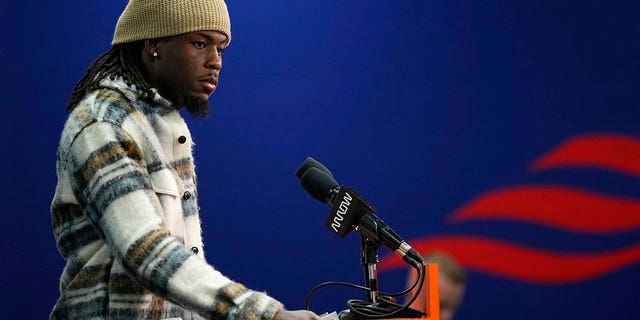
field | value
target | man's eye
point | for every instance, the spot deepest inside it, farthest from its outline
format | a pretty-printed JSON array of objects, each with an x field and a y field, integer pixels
[
  {"x": 220, "y": 51},
  {"x": 200, "y": 45}
]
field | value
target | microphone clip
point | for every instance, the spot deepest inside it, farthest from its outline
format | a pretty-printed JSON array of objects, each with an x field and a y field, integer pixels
[{"x": 346, "y": 207}]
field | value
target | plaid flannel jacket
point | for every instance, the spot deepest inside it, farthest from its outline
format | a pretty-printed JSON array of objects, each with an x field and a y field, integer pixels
[{"x": 125, "y": 218}]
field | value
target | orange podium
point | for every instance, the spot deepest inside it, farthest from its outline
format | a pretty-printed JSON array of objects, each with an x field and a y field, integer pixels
[{"x": 429, "y": 299}]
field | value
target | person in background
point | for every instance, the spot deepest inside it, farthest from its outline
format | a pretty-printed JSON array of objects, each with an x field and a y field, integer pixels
[
  {"x": 125, "y": 214},
  {"x": 452, "y": 282}
]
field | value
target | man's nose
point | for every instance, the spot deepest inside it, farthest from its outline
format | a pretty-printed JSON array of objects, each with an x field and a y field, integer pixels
[{"x": 215, "y": 60}]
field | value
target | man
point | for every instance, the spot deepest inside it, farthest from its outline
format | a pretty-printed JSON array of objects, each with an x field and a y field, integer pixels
[
  {"x": 452, "y": 283},
  {"x": 124, "y": 214}
]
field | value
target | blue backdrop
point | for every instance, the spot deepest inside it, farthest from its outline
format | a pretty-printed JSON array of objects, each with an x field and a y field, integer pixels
[{"x": 505, "y": 132}]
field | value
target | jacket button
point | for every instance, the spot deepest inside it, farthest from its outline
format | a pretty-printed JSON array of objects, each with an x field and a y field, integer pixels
[
  {"x": 182, "y": 139},
  {"x": 195, "y": 250},
  {"x": 186, "y": 195}
]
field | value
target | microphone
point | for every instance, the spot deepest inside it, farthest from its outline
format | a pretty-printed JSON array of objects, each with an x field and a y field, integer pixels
[
  {"x": 351, "y": 211},
  {"x": 311, "y": 163}
]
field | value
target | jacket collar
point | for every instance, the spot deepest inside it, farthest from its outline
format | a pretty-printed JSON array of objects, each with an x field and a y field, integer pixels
[{"x": 131, "y": 92}]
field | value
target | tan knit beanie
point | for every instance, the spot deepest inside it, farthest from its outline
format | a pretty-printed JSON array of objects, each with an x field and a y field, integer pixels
[{"x": 150, "y": 19}]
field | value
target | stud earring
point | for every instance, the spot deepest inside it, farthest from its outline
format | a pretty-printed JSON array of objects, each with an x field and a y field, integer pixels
[{"x": 155, "y": 54}]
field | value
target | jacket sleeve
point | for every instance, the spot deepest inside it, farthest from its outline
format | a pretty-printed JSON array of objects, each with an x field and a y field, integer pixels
[{"x": 110, "y": 180}]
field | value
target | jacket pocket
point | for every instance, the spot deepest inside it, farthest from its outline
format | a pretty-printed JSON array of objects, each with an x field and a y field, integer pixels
[
  {"x": 168, "y": 192},
  {"x": 164, "y": 182}
]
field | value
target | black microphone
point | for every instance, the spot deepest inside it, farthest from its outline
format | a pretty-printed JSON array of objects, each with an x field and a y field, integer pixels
[
  {"x": 350, "y": 211},
  {"x": 311, "y": 163}
]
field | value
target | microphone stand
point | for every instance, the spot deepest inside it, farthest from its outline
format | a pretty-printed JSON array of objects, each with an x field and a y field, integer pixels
[{"x": 369, "y": 258}]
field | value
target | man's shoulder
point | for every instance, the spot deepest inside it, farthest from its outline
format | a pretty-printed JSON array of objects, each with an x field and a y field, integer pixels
[{"x": 103, "y": 105}]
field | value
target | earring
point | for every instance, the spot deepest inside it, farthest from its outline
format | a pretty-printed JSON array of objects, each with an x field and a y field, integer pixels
[{"x": 155, "y": 54}]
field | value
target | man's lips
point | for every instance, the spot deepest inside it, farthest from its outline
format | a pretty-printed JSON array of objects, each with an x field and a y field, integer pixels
[{"x": 209, "y": 83}]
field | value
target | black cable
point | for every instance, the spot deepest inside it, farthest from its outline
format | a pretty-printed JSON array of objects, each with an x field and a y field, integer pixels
[
  {"x": 330, "y": 283},
  {"x": 385, "y": 308},
  {"x": 405, "y": 291}
]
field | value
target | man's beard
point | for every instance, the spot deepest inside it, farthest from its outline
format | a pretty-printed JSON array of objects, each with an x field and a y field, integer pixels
[{"x": 199, "y": 108}]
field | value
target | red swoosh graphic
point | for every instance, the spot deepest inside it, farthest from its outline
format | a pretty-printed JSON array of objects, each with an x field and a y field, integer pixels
[
  {"x": 522, "y": 263},
  {"x": 555, "y": 206},
  {"x": 608, "y": 151}
]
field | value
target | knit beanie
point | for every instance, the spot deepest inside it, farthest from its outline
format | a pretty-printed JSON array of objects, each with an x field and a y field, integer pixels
[{"x": 150, "y": 19}]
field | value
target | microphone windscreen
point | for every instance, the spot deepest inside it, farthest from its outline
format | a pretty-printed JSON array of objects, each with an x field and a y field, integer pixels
[
  {"x": 318, "y": 183},
  {"x": 311, "y": 163}
]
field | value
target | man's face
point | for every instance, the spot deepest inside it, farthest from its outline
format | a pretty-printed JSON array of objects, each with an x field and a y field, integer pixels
[
  {"x": 187, "y": 68},
  {"x": 451, "y": 295}
]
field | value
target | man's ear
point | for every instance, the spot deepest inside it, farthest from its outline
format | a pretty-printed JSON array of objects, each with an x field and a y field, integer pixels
[{"x": 152, "y": 47}]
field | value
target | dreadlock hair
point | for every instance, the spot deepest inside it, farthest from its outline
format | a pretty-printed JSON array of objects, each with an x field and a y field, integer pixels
[{"x": 121, "y": 60}]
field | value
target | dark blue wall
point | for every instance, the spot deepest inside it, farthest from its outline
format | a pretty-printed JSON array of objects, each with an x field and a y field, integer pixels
[{"x": 421, "y": 106}]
